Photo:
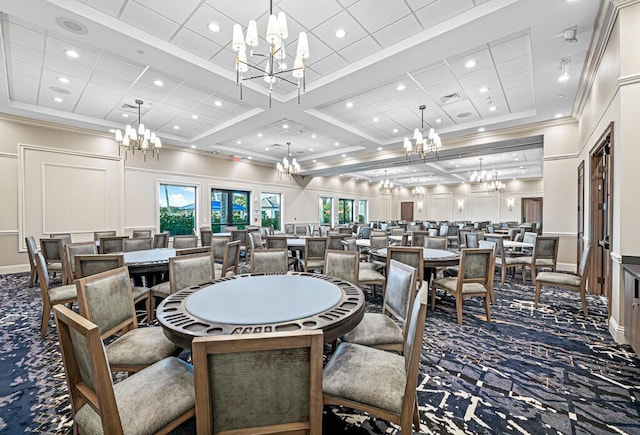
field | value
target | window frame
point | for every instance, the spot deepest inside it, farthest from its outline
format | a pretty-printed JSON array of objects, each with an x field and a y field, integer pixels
[
  {"x": 230, "y": 192},
  {"x": 281, "y": 195},
  {"x": 342, "y": 202},
  {"x": 321, "y": 210},
  {"x": 366, "y": 210},
  {"x": 196, "y": 203}
]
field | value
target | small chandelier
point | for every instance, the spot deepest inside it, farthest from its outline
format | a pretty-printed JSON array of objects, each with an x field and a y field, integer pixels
[
  {"x": 493, "y": 183},
  {"x": 285, "y": 168},
  {"x": 479, "y": 177},
  {"x": 142, "y": 140},
  {"x": 385, "y": 185},
  {"x": 423, "y": 146},
  {"x": 418, "y": 191},
  {"x": 276, "y": 66}
]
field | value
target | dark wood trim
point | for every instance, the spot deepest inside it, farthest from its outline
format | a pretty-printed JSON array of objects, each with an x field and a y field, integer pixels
[{"x": 580, "y": 234}]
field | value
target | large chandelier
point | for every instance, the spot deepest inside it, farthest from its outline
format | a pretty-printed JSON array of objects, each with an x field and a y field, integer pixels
[
  {"x": 418, "y": 191},
  {"x": 493, "y": 183},
  {"x": 479, "y": 177},
  {"x": 287, "y": 168},
  {"x": 385, "y": 185},
  {"x": 141, "y": 139},
  {"x": 487, "y": 180},
  {"x": 276, "y": 66},
  {"x": 423, "y": 145}
]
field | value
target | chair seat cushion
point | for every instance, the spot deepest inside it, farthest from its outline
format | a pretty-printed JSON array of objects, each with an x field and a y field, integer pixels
[
  {"x": 161, "y": 290},
  {"x": 556, "y": 278},
  {"x": 167, "y": 389},
  {"x": 375, "y": 329},
  {"x": 510, "y": 260},
  {"x": 62, "y": 294},
  {"x": 139, "y": 292},
  {"x": 312, "y": 264},
  {"x": 450, "y": 284},
  {"x": 539, "y": 262},
  {"x": 140, "y": 347},
  {"x": 355, "y": 372},
  {"x": 367, "y": 265},
  {"x": 369, "y": 275},
  {"x": 54, "y": 266}
]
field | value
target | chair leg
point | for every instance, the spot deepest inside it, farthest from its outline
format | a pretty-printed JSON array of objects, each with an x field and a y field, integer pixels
[
  {"x": 538, "y": 286},
  {"x": 459, "y": 308},
  {"x": 147, "y": 305},
  {"x": 416, "y": 415},
  {"x": 433, "y": 298},
  {"x": 487, "y": 307},
  {"x": 584, "y": 301},
  {"x": 32, "y": 279},
  {"x": 503, "y": 272},
  {"x": 524, "y": 274},
  {"x": 533, "y": 274},
  {"x": 46, "y": 312}
]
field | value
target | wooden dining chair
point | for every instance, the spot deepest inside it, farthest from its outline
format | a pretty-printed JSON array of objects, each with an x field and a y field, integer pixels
[
  {"x": 97, "y": 235},
  {"x": 263, "y": 383},
  {"x": 218, "y": 246},
  {"x": 269, "y": 261},
  {"x": 52, "y": 251},
  {"x": 51, "y": 296},
  {"x": 70, "y": 252},
  {"x": 230, "y": 261},
  {"x": 161, "y": 240},
  {"x": 32, "y": 249},
  {"x": 205, "y": 236},
  {"x": 183, "y": 242},
  {"x": 343, "y": 265},
  {"x": 139, "y": 244},
  {"x": 141, "y": 234},
  {"x": 280, "y": 242},
  {"x": 100, "y": 407},
  {"x": 315, "y": 249}
]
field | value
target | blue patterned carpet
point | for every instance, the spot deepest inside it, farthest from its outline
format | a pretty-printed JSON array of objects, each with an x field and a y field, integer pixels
[{"x": 546, "y": 370}]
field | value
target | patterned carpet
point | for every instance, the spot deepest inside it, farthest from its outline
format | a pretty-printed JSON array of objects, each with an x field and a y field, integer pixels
[{"x": 545, "y": 370}]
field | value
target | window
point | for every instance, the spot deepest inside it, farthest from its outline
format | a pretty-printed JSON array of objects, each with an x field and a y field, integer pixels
[
  {"x": 229, "y": 207},
  {"x": 345, "y": 211},
  {"x": 363, "y": 211},
  {"x": 270, "y": 210},
  {"x": 177, "y": 209},
  {"x": 326, "y": 210}
]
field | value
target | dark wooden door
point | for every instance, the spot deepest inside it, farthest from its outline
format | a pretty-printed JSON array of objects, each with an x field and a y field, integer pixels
[
  {"x": 580, "y": 233},
  {"x": 406, "y": 211},
  {"x": 601, "y": 189},
  {"x": 531, "y": 210}
]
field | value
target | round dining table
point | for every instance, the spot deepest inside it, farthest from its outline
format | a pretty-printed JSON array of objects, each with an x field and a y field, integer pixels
[
  {"x": 433, "y": 258},
  {"x": 254, "y": 303},
  {"x": 148, "y": 263}
]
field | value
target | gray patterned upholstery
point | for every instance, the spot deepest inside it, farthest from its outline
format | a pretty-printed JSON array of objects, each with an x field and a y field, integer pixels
[
  {"x": 366, "y": 275},
  {"x": 140, "y": 347},
  {"x": 335, "y": 241},
  {"x": 301, "y": 230},
  {"x": 32, "y": 248},
  {"x": 544, "y": 262},
  {"x": 269, "y": 261},
  {"x": 435, "y": 243},
  {"x": 141, "y": 234},
  {"x": 189, "y": 270},
  {"x": 183, "y": 242},
  {"x": 110, "y": 245},
  {"x": 342, "y": 265},
  {"x": 161, "y": 240},
  {"x": 471, "y": 240},
  {"x": 167, "y": 388},
  {"x": 52, "y": 250},
  {"x": 314, "y": 253},
  {"x": 205, "y": 236},
  {"x": 109, "y": 300},
  {"x": 417, "y": 238},
  {"x": 398, "y": 293},
  {"x": 87, "y": 265},
  {"x": 476, "y": 264},
  {"x": 218, "y": 245},
  {"x": 65, "y": 237},
  {"x": 98, "y": 234},
  {"x": 560, "y": 279},
  {"x": 138, "y": 244},
  {"x": 375, "y": 329},
  {"x": 62, "y": 293},
  {"x": 451, "y": 284},
  {"x": 82, "y": 248},
  {"x": 378, "y": 242},
  {"x": 161, "y": 290}
]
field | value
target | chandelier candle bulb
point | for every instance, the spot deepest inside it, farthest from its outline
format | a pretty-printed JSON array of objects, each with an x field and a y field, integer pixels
[{"x": 140, "y": 139}]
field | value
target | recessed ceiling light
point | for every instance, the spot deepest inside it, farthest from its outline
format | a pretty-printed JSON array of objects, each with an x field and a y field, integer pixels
[
  {"x": 349, "y": 104},
  {"x": 558, "y": 115},
  {"x": 470, "y": 63},
  {"x": 259, "y": 134},
  {"x": 457, "y": 166},
  {"x": 516, "y": 159},
  {"x": 159, "y": 83},
  {"x": 217, "y": 103},
  {"x": 336, "y": 143},
  {"x": 58, "y": 99},
  {"x": 249, "y": 157},
  {"x": 401, "y": 87},
  {"x": 375, "y": 119},
  {"x": 438, "y": 121},
  {"x": 314, "y": 161},
  {"x": 481, "y": 129},
  {"x": 266, "y": 149},
  {"x": 194, "y": 116},
  {"x": 214, "y": 27},
  {"x": 193, "y": 146},
  {"x": 125, "y": 115},
  {"x": 310, "y": 150},
  {"x": 560, "y": 96},
  {"x": 63, "y": 80},
  {"x": 285, "y": 126},
  {"x": 395, "y": 130},
  {"x": 112, "y": 130},
  {"x": 344, "y": 155},
  {"x": 239, "y": 142},
  {"x": 313, "y": 136},
  {"x": 341, "y": 33},
  {"x": 72, "y": 54},
  {"x": 493, "y": 109},
  {"x": 176, "y": 127},
  {"x": 379, "y": 148},
  {"x": 484, "y": 89}
]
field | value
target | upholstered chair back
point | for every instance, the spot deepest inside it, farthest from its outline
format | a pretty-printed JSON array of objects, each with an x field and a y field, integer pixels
[
  {"x": 396, "y": 231},
  {"x": 182, "y": 242},
  {"x": 189, "y": 270},
  {"x": 411, "y": 256},
  {"x": 32, "y": 248},
  {"x": 315, "y": 248},
  {"x": 378, "y": 242},
  {"x": 65, "y": 237},
  {"x": 417, "y": 238},
  {"x": 239, "y": 236},
  {"x": 435, "y": 243},
  {"x": 444, "y": 230},
  {"x": 490, "y": 229},
  {"x": 342, "y": 265},
  {"x": 161, "y": 240},
  {"x": 301, "y": 230},
  {"x": 400, "y": 289},
  {"x": 205, "y": 236},
  {"x": 255, "y": 239},
  {"x": 87, "y": 265},
  {"x": 583, "y": 267},
  {"x": 485, "y": 244},
  {"x": 413, "y": 342},
  {"x": 218, "y": 246},
  {"x": 231, "y": 258},
  {"x": 73, "y": 249},
  {"x": 475, "y": 265},
  {"x": 471, "y": 240},
  {"x": 110, "y": 245},
  {"x": 98, "y": 234},
  {"x": 106, "y": 299},
  {"x": 43, "y": 273},
  {"x": 546, "y": 248},
  {"x": 138, "y": 244},
  {"x": 500, "y": 253},
  {"x": 269, "y": 261},
  {"x": 513, "y": 232},
  {"x": 276, "y": 242},
  {"x": 290, "y": 229},
  {"x": 453, "y": 231},
  {"x": 350, "y": 245},
  {"x": 141, "y": 234},
  {"x": 529, "y": 237},
  {"x": 414, "y": 227},
  {"x": 335, "y": 241},
  {"x": 52, "y": 249}
]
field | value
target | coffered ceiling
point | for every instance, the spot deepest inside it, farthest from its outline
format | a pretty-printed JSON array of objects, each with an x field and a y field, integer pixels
[{"x": 473, "y": 63}]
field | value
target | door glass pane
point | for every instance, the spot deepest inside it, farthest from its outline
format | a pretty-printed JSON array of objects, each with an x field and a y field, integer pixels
[{"x": 229, "y": 207}]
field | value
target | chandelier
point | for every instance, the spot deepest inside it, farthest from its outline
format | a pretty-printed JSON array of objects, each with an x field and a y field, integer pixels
[
  {"x": 142, "y": 140},
  {"x": 276, "y": 60},
  {"x": 423, "y": 145},
  {"x": 285, "y": 168},
  {"x": 418, "y": 191},
  {"x": 385, "y": 185},
  {"x": 493, "y": 183},
  {"x": 479, "y": 177},
  {"x": 487, "y": 180}
]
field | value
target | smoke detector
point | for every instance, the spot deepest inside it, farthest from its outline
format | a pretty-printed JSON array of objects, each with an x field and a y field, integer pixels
[{"x": 569, "y": 35}]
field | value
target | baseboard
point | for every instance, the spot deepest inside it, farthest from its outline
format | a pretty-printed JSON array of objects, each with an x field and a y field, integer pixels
[
  {"x": 14, "y": 268},
  {"x": 566, "y": 267},
  {"x": 617, "y": 331}
]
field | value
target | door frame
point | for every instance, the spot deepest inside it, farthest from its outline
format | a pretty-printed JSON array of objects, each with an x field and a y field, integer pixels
[
  {"x": 539, "y": 199},
  {"x": 402, "y": 204},
  {"x": 580, "y": 234},
  {"x": 593, "y": 209}
]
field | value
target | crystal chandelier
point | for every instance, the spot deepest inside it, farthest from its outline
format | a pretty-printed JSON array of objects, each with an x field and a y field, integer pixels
[
  {"x": 276, "y": 66},
  {"x": 142, "y": 140},
  {"x": 285, "y": 168},
  {"x": 418, "y": 191},
  {"x": 423, "y": 145},
  {"x": 385, "y": 185}
]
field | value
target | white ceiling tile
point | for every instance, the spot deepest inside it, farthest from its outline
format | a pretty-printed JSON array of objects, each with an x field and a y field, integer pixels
[
  {"x": 516, "y": 80},
  {"x": 347, "y": 3},
  {"x": 67, "y": 67},
  {"x": 195, "y": 43},
  {"x": 25, "y": 69},
  {"x": 119, "y": 67},
  {"x": 329, "y": 64},
  {"x": 148, "y": 21},
  {"x": 475, "y": 79},
  {"x": 88, "y": 56},
  {"x": 24, "y": 36},
  {"x": 46, "y": 96},
  {"x": 398, "y": 31},
  {"x": 225, "y": 58},
  {"x": 172, "y": 10},
  {"x": 461, "y": 107},
  {"x": 481, "y": 56},
  {"x": 444, "y": 88},
  {"x": 433, "y": 74},
  {"x": 102, "y": 78},
  {"x": 24, "y": 54},
  {"x": 525, "y": 90},
  {"x": 98, "y": 100},
  {"x": 373, "y": 15},
  {"x": 419, "y": 4},
  {"x": 150, "y": 95},
  {"x": 360, "y": 49},
  {"x": 317, "y": 48},
  {"x": 439, "y": 11},
  {"x": 511, "y": 49},
  {"x": 178, "y": 102},
  {"x": 326, "y": 31},
  {"x": 24, "y": 89},
  {"x": 310, "y": 13},
  {"x": 191, "y": 93},
  {"x": 169, "y": 84},
  {"x": 515, "y": 66},
  {"x": 242, "y": 11},
  {"x": 206, "y": 15},
  {"x": 111, "y": 7}
]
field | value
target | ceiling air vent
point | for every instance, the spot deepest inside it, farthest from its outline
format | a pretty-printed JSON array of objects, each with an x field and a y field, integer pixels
[{"x": 450, "y": 98}]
